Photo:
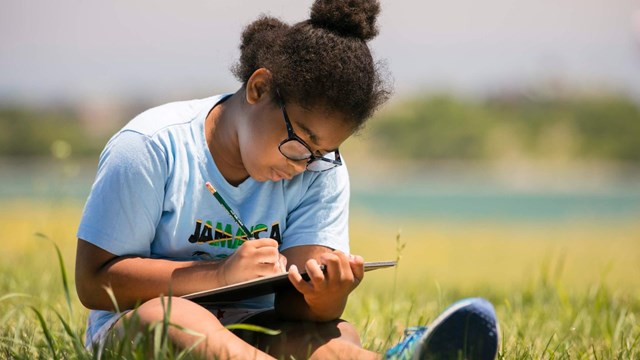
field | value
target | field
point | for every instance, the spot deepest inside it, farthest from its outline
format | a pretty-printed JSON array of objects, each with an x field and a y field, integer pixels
[{"x": 562, "y": 291}]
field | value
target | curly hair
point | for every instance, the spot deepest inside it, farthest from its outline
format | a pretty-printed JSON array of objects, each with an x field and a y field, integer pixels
[{"x": 320, "y": 62}]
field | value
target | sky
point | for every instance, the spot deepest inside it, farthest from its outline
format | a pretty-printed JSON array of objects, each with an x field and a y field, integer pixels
[{"x": 127, "y": 50}]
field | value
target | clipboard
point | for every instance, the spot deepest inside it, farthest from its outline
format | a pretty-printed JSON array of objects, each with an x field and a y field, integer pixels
[{"x": 261, "y": 286}]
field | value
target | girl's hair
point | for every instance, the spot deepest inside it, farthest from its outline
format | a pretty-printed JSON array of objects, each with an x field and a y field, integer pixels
[{"x": 323, "y": 62}]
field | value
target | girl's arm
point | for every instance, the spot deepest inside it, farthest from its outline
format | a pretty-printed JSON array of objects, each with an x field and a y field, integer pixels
[
  {"x": 324, "y": 297},
  {"x": 137, "y": 279}
]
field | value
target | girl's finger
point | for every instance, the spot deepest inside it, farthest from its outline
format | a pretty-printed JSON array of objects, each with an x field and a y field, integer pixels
[
  {"x": 345, "y": 266},
  {"x": 298, "y": 282},
  {"x": 268, "y": 255},
  {"x": 282, "y": 262},
  {"x": 334, "y": 271},
  {"x": 316, "y": 276},
  {"x": 356, "y": 262},
  {"x": 261, "y": 243}
]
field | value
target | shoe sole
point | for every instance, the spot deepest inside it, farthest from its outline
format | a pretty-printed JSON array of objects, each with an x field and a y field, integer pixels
[{"x": 466, "y": 330}]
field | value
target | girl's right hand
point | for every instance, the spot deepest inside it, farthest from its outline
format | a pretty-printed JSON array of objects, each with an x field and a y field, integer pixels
[{"x": 253, "y": 259}]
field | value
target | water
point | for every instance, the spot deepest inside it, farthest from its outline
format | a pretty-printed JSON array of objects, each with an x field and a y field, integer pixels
[
  {"x": 497, "y": 205},
  {"x": 427, "y": 199},
  {"x": 45, "y": 180}
]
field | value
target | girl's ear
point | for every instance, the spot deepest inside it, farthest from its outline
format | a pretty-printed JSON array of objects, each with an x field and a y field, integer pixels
[{"x": 258, "y": 86}]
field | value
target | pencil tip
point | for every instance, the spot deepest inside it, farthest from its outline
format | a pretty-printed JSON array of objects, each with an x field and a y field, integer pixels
[{"x": 210, "y": 187}]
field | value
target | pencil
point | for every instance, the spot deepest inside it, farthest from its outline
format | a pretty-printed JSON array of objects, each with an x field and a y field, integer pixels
[{"x": 229, "y": 210}]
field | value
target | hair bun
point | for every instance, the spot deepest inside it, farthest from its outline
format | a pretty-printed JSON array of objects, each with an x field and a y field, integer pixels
[
  {"x": 263, "y": 26},
  {"x": 355, "y": 18}
]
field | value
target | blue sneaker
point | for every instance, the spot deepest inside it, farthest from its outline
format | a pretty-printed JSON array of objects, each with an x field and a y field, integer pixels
[{"x": 468, "y": 329}]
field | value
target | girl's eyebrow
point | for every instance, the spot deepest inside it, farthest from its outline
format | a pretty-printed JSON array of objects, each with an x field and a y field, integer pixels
[{"x": 312, "y": 137}]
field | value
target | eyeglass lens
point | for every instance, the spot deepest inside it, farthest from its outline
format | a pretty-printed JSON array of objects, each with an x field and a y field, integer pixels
[
  {"x": 294, "y": 150},
  {"x": 322, "y": 164}
]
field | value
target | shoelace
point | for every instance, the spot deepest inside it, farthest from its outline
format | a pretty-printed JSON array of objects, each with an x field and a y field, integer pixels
[{"x": 411, "y": 336}]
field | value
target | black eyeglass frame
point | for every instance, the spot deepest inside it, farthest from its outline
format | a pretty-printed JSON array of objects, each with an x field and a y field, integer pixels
[{"x": 292, "y": 136}]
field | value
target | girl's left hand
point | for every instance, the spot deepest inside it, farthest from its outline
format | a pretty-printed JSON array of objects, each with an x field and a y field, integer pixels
[{"x": 326, "y": 292}]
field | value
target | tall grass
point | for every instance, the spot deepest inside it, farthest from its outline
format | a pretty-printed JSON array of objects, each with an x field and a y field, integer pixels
[{"x": 563, "y": 292}]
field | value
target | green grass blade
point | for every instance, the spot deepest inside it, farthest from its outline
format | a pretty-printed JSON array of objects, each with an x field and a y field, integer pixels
[
  {"x": 156, "y": 330},
  {"x": 13, "y": 295},
  {"x": 47, "y": 333},
  {"x": 593, "y": 351},
  {"x": 165, "y": 319},
  {"x": 112, "y": 297},
  {"x": 546, "y": 348},
  {"x": 63, "y": 271},
  {"x": 76, "y": 340},
  {"x": 188, "y": 351},
  {"x": 255, "y": 328},
  {"x": 619, "y": 326}
]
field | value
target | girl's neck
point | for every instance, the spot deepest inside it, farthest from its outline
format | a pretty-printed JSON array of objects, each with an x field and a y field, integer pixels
[{"x": 222, "y": 138}]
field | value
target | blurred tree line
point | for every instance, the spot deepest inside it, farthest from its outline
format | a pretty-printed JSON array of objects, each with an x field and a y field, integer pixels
[
  {"x": 35, "y": 131},
  {"x": 604, "y": 127},
  {"x": 26, "y": 131}
]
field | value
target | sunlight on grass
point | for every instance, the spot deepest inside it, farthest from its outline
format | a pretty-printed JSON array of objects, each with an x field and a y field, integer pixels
[
  {"x": 567, "y": 290},
  {"x": 559, "y": 290},
  {"x": 502, "y": 255}
]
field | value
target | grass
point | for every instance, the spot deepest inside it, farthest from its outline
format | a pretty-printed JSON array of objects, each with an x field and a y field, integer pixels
[{"x": 564, "y": 291}]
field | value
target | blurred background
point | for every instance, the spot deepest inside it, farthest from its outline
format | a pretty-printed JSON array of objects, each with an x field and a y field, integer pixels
[{"x": 513, "y": 135}]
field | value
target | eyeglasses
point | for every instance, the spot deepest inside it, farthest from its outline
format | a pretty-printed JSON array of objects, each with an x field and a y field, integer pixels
[{"x": 294, "y": 148}]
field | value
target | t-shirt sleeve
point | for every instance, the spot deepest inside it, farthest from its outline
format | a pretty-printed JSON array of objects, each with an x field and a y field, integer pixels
[
  {"x": 126, "y": 200},
  {"x": 322, "y": 215}
]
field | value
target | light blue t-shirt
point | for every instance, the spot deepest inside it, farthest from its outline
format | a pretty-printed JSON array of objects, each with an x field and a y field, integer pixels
[{"x": 149, "y": 198}]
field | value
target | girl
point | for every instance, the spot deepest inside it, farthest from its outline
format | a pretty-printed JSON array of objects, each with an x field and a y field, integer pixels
[{"x": 150, "y": 227}]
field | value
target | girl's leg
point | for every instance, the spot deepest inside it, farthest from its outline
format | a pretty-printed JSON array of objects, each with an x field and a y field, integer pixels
[
  {"x": 331, "y": 340},
  {"x": 215, "y": 341}
]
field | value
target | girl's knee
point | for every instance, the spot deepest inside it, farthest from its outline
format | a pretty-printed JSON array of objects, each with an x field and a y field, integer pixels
[
  {"x": 178, "y": 311},
  {"x": 156, "y": 309}
]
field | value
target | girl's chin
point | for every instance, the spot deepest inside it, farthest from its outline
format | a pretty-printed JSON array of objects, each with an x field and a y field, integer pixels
[
  {"x": 269, "y": 174},
  {"x": 264, "y": 176},
  {"x": 275, "y": 175}
]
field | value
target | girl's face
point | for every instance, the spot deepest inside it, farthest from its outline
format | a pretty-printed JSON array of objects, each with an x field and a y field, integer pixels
[{"x": 265, "y": 129}]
